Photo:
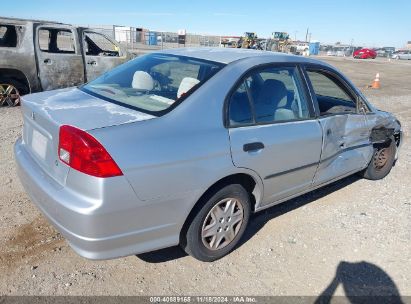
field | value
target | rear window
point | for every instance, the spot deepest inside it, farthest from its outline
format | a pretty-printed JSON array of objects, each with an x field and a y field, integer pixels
[
  {"x": 153, "y": 83},
  {"x": 8, "y": 36}
]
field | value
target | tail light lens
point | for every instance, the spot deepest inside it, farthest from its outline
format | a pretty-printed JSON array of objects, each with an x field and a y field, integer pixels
[{"x": 83, "y": 152}]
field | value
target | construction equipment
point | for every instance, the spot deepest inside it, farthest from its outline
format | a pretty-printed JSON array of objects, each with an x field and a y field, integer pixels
[
  {"x": 248, "y": 41},
  {"x": 279, "y": 43}
]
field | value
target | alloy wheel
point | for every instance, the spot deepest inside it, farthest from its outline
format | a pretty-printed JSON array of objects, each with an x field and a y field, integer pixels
[{"x": 9, "y": 95}]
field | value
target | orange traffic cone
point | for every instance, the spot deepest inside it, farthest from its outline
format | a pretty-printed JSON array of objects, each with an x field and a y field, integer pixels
[{"x": 376, "y": 84}]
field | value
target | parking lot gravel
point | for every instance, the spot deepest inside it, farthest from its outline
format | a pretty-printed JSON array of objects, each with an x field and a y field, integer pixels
[{"x": 354, "y": 232}]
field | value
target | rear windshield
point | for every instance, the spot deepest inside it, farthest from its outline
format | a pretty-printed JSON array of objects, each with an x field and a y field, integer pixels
[
  {"x": 8, "y": 36},
  {"x": 153, "y": 83}
]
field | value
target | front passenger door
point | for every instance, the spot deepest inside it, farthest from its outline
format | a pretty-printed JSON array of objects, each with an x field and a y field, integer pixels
[
  {"x": 273, "y": 132},
  {"x": 346, "y": 145},
  {"x": 100, "y": 54}
]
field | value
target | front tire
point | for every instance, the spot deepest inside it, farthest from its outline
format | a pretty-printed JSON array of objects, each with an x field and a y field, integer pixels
[
  {"x": 219, "y": 224},
  {"x": 382, "y": 161}
]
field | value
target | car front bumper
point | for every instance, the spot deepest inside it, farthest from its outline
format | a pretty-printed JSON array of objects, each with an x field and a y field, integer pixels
[{"x": 102, "y": 227}]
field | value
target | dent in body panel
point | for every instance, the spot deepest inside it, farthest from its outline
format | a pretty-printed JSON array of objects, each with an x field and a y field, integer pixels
[
  {"x": 381, "y": 134},
  {"x": 346, "y": 146},
  {"x": 384, "y": 125}
]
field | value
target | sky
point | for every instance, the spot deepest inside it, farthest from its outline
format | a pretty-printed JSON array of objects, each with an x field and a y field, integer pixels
[{"x": 361, "y": 22}]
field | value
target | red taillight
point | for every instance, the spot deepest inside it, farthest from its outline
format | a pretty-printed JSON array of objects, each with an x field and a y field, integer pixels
[{"x": 83, "y": 152}]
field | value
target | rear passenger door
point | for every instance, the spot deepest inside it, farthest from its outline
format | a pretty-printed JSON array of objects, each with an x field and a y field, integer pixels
[
  {"x": 273, "y": 131},
  {"x": 59, "y": 59},
  {"x": 346, "y": 145}
]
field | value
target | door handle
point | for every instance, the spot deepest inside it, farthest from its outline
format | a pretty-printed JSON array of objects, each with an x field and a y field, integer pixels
[
  {"x": 92, "y": 62},
  {"x": 255, "y": 146},
  {"x": 48, "y": 61}
]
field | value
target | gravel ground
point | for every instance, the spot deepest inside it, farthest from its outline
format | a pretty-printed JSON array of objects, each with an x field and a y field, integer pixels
[{"x": 355, "y": 231}]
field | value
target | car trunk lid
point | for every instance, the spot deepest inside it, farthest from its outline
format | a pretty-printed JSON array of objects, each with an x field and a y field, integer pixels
[{"x": 44, "y": 113}]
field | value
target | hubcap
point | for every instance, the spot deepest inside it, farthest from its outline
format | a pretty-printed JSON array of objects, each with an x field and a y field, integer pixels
[
  {"x": 9, "y": 95},
  {"x": 222, "y": 224},
  {"x": 380, "y": 158}
]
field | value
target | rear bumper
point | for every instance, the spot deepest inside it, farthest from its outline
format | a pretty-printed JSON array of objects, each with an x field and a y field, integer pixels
[{"x": 112, "y": 224}]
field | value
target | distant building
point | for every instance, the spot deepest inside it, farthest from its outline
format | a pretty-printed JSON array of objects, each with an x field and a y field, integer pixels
[{"x": 408, "y": 45}]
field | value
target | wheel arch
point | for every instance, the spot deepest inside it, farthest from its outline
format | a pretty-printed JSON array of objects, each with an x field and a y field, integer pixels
[
  {"x": 251, "y": 183},
  {"x": 15, "y": 74}
]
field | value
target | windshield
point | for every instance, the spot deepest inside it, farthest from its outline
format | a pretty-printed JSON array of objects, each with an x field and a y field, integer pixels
[{"x": 153, "y": 83}]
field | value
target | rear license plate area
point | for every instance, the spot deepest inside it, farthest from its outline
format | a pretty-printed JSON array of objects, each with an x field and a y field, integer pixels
[{"x": 39, "y": 144}]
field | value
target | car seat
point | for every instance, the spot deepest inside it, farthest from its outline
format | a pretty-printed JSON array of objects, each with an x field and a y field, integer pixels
[
  {"x": 186, "y": 85},
  {"x": 272, "y": 102},
  {"x": 142, "y": 81}
]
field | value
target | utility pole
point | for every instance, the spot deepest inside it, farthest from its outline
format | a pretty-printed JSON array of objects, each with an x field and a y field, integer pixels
[
  {"x": 306, "y": 34},
  {"x": 351, "y": 46}
]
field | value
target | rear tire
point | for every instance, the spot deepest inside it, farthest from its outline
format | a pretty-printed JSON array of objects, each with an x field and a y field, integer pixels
[
  {"x": 219, "y": 224},
  {"x": 382, "y": 161}
]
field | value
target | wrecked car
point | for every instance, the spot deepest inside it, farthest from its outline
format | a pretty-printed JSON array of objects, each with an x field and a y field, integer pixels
[
  {"x": 40, "y": 56},
  {"x": 181, "y": 146}
]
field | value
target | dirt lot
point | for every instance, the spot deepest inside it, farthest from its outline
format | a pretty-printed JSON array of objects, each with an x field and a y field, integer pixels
[{"x": 355, "y": 232}]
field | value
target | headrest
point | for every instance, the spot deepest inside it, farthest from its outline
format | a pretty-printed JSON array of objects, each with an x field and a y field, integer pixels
[
  {"x": 273, "y": 92},
  {"x": 142, "y": 81},
  {"x": 186, "y": 85}
]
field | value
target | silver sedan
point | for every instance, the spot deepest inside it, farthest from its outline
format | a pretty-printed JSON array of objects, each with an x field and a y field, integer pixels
[
  {"x": 181, "y": 146},
  {"x": 405, "y": 55}
]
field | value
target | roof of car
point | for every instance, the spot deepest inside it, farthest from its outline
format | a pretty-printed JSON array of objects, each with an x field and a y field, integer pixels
[
  {"x": 227, "y": 55},
  {"x": 22, "y": 21}
]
